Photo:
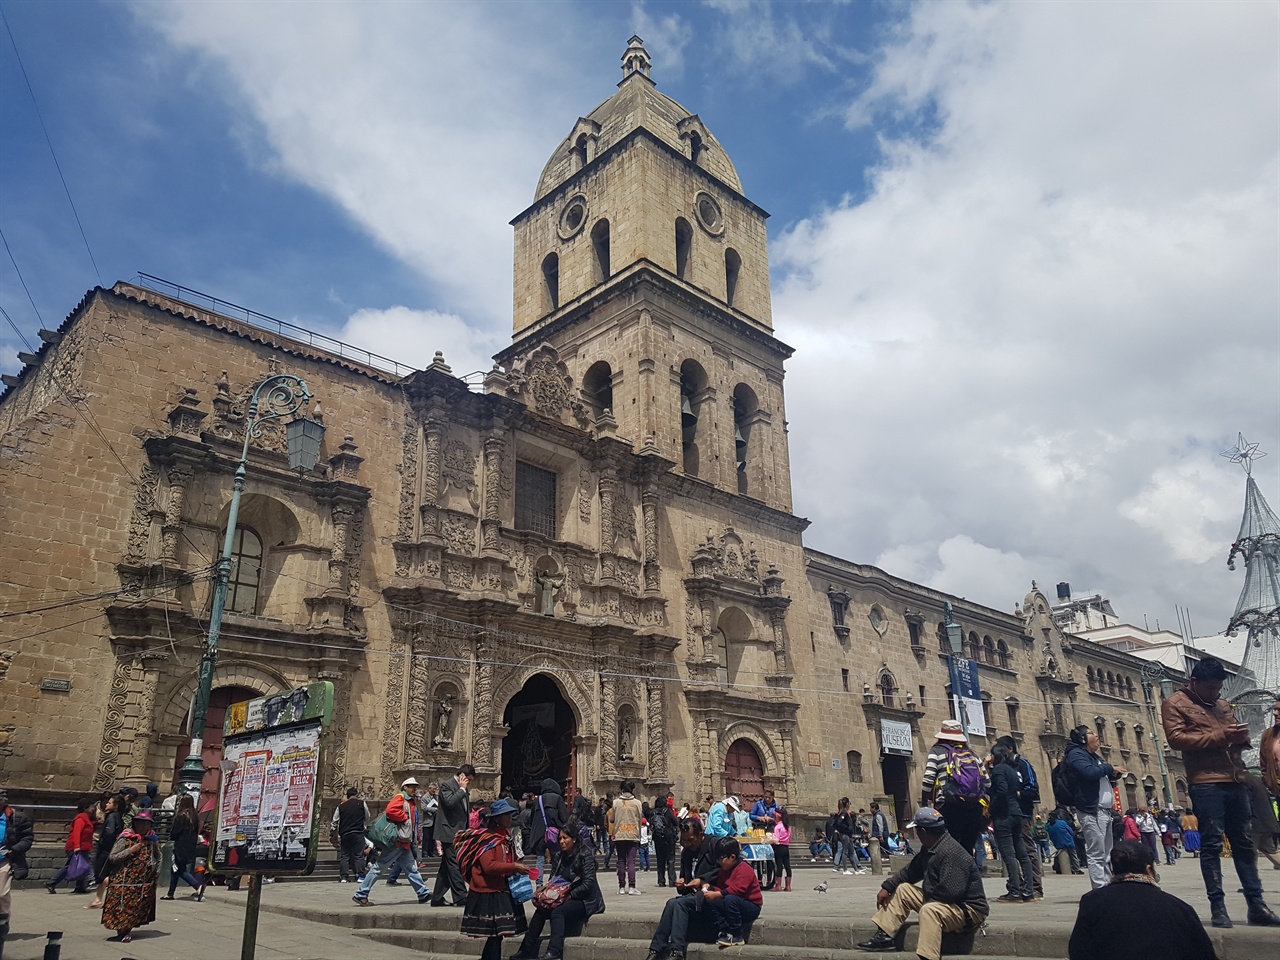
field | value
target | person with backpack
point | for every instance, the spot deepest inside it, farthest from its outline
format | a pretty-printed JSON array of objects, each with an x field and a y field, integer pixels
[
  {"x": 403, "y": 812},
  {"x": 662, "y": 824},
  {"x": 955, "y": 785},
  {"x": 1006, "y": 816},
  {"x": 1092, "y": 797},
  {"x": 1028, "y": 797}
]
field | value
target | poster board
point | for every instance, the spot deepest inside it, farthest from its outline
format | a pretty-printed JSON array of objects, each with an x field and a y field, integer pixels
[
  {"x": 273, "y": 754},
  {"x": 968, "y": 696}
]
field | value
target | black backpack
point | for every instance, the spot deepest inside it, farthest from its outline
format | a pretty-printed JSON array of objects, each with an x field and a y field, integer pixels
[
  {"x": 1063, "y": 793},
  {"x": 1030, "y": 786}
]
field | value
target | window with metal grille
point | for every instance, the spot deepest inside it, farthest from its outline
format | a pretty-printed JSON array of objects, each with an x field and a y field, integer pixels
[
  {"x": 246, "y": 572},
  {"x": 535, "y": 499}
]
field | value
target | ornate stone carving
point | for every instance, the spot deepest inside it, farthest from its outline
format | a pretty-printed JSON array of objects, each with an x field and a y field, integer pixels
[
  {"x": 186, "y": 415},
  {"x": 445, "y": 721},
  {"x": 117, "y": 701},
  {"x": 6, "y": 661},
  {"x": 459, "y": 468},
  {"x": 659, "y": 747},
  {"x": 492, "y": 476},
  {"x": 482, "y": 749},
  {"x": 585, "y": 492},
  {"x": 338, "y": 730},
  {"x": 354, "y": 553},
  {"x": 144, "y": 504},
  {"x": 457, "y": 575},
  {"x": 460, "y": 534},
  {"x": 150, "y": 664},
  {"x": 432, "y": 468},
  {"x": 608, "y": 720},
  {"x": 177, "y": 478},
  {"x": 415, "y": 741},
  {"x": 652, "y": 568},
  {"x": 391, "y": 737},
  {"x": 624, "y": 515},
  {"x": 408, "y": 481},
  {"x": 550, "y": 385}
]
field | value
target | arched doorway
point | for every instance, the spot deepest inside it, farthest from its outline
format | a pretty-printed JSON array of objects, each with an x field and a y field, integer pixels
[
  {"x": 219, "y": 700},
  {"x": 539, "y": 745},
  {"x": 744, "y": 772}
]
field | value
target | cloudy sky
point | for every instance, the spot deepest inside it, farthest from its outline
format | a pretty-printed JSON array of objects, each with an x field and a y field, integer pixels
[{"x": 1027, "y": 253}]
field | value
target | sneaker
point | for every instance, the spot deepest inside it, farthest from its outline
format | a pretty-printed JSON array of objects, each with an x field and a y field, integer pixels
[
  {"x": 1009, "y": 898},
  {"x": 622, "y": 891},
  {"x": 729, "y": 940},
  {"x": 880, "y": 942},
  {"x": 836, "y": 870},
  {"x": 393, "y": 883},
  {"x": 632, "y": 891},
  {"x": 425, "y": 898},
  {"x": 847, "y": 872},
  {"x": 361, "y": 901},
  {"x": 343, "y": 880}
]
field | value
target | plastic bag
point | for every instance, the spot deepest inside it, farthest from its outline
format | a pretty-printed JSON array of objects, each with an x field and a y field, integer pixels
[
  {"x": 78, "y": 866},
  {"x": 521, "y": 887}
]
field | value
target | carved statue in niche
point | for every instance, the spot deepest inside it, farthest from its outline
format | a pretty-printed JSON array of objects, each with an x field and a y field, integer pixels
[
  {"x": 549, "y": 584},
  {"x": 444, "y": 723},
  {"x": 626, "y": 739}
]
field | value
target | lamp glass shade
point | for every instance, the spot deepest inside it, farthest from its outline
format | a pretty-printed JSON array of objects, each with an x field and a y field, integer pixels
[
  {"x": 304, "y": 437},
  {"x": 955, "y": 638}
]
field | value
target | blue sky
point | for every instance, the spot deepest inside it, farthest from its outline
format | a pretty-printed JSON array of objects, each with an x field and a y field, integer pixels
[{"x": 1027, "y": 252}]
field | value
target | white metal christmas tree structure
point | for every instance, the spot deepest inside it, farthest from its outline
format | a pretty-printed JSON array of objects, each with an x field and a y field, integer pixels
[{"x": 1257, "y": 613}]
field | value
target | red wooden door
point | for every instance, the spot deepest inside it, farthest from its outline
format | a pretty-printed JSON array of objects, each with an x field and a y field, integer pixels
[{"x": 744, "y": 772}]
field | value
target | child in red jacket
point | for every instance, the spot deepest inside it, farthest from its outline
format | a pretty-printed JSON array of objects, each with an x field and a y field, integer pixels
[{"x": 734, "y": 898}]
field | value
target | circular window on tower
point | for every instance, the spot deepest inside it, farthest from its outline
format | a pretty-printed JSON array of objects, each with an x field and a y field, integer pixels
[
  {"x": 709, "y": 214},
  {"x": 573, "y": 217}
]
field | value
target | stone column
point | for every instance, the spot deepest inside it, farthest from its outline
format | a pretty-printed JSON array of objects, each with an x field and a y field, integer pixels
[
  {"x": 117, "y": 701},
  {"x": 482, "y": 729},
  {"x": 341, "y": 515},
  {"x": 178, "y": 479},
  {"x": 149, "y": 664},
  {"x": 608, "y": 564},
  {"x": 652, "y": 569},
  {"x": 608, "y": 722},
  {"x": 415, "y": 741},
  {"x": 408, "y": 482},
  {"x": 392, "y": 738},
  {"x": 657, "y": 730},
  {"x": 431, "y": 465},
  {"x": 492, "y": 492}
]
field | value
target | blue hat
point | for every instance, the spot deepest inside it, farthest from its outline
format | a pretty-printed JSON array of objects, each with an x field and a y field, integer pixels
[{"x": 499, "y": 807}]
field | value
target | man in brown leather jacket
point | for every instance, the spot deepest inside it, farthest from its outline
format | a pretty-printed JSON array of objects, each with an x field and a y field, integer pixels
[{"x": 1203, "y": 726}]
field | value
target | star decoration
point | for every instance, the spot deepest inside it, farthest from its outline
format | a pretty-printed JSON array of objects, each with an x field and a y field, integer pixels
[{"x": 1244, "y": 454}]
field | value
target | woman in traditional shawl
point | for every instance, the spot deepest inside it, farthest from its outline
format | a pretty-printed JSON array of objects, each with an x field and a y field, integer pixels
[
  {"x": 488, "y": 857},
  {"x": 130, "y": 899}
]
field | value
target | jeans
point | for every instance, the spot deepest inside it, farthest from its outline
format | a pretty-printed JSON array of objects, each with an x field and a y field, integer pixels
[
  {"x": 1226, "y": 808},
  {"x": 570, "y": 910},
  {"x": 82, "y": 885},
  {"x": 643, "y": 853},
  {"x": 818, "y": 850},
  {"x": 181, "y": 871},
  {"x": 1098, "y": 840},
  {"x": 626, "y": 850},
  {"x": 404, "y": 858},
  {"x": 665, "y": 848},
  {"x": 351, "y": 856},
  {"x": 1043, "y": 847},
  {"x": 731, "y": 913},
  {"x": 844, "y": 853},
  {"x": 678, "y": 915},
  {"x": 1013, "y": 851}
]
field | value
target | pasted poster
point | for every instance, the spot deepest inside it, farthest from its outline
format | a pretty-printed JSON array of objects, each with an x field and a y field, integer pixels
[
  {"x": 267, "y": 801},
  {"x": 968, "y": 697}
]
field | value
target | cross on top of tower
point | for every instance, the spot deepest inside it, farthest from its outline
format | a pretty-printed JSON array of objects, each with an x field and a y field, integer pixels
[{"x": 635, "y": 59}]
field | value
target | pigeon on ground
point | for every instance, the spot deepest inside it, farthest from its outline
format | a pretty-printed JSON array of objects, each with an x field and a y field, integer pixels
[{"x": 822, "y": 887}]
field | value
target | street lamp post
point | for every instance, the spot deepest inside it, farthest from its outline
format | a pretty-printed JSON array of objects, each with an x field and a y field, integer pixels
[
  {"x": 279, "y": 395},
  {"x": 1153, "y": 673},
  {"x": 955, "y": 640}
]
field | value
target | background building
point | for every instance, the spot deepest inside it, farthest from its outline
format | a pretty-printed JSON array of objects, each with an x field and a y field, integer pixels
[{"x": 585, "y": 568}]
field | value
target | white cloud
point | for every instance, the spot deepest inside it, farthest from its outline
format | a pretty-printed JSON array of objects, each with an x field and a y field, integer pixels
[
  {"x": 1057, "y": 303},
  {"x": 665, "y": 37},
  {"x": 427, "y": 123},
  {"x": 413, "y": 337}
]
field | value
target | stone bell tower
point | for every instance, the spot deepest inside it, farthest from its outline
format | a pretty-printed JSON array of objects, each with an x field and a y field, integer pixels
[{"x": 644, "y": 266}]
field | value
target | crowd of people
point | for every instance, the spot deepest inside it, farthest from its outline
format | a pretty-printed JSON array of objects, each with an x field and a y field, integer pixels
[{"x": 718, "y": 858}]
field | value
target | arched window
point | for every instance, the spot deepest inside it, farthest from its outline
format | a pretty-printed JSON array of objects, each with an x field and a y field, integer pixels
[
  {"x": 684, "y": 245},
  {"x": 732, "y": 267},
  {"x": 887, "y": 687},
  {"x": 853, "y": 760},
  {"x": 733, "y": 631},
  {"x": 1012, "y": 706},
  {"x": 693, "y": 386},
  {"x": 695, "y": 146},
  {"x": 1111, "y": 683},
  {"x": 550, "y": 283},
  {"x": 1093, "y": 681},
  {"x": 1002, "y": 653},
  {"x": 973, "y": 649},
  {"x": 988, "y": 650},
  {"x": 722, "y": 656},
  {"x": 580, "y": 151},
  {"x": 744, "y": 409},
  {"x": 597, "y": 388},
  {"x": 1128, "y": 687},
  {"x": 246, "y": 572},
  {"x": 600, "y": 247}
]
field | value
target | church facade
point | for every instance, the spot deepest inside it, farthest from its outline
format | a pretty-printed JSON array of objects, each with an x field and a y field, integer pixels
[{"x": 588, "y": 570}]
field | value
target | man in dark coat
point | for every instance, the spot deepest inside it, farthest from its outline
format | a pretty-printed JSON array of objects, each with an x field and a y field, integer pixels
[
  {"x": 950, "y": 897},
  {"x": 455, "y": 807},
  {"x": 15, "y": 840}
]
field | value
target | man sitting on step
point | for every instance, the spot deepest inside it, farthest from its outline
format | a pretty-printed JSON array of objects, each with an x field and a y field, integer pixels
[
  {"x": 683, "y": 915},
  {"x": 949, "y": 899}
]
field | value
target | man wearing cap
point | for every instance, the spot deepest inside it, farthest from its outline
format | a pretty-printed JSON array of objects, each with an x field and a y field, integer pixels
[
  {"x": 402, "y": 810},
  {"x": 451, "y": 816},
  {"x": 720, "y": 817},
  {"x": 949, "y": 899},
  {"x": 964, "y": 817},
  {"x": 1203, "y": 726}
]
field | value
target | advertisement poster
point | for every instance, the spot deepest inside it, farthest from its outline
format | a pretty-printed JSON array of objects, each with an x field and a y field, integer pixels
[
  {"x": 266, "y": 803},
  {"x": 968, "y": 697}
]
